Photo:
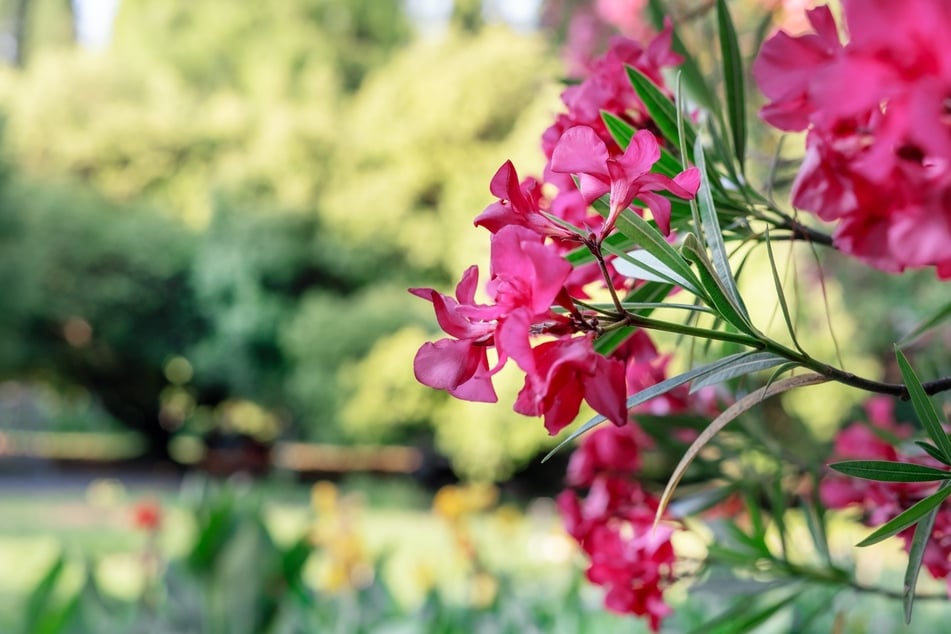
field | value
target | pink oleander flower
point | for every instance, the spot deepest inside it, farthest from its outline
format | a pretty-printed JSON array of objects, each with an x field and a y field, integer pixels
[
  {"x": 566, "y": 372},
  {"x": 627, "y": 16},
  {"x": 610, "y": 450},
  {"x": 878, "y": 113},
  {"x": 459, "y": 365},
  {"x": 606, "y": 87},
  {"x": 627, "y": 177},
  {"x": 612, "y": 521},
  {"x": 881, "y": 501},
  {"x": 519, "y": 204}
]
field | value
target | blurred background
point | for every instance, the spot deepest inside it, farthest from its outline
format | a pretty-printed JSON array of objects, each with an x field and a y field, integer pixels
[{"x": 210, "y": 212}]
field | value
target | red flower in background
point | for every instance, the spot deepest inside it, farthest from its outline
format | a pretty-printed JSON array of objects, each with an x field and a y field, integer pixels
[
  {"x": 147, "y": 515},
  {"x": 613, "y": 522},
  {"x": 881, "y": 501}
]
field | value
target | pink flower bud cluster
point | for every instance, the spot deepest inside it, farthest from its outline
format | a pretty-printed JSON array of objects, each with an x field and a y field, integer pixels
[
  {"x": 881, "y": 501},
  {"x": 878, "y": 114}
]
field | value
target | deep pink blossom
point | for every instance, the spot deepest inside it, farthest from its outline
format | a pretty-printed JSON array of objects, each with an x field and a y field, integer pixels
[
  {"x": 878, "y": 111},
  {"x": 459, "y": 365},
  {"x": 580, "y": 151},
  {"x": 519, "y": 204},
  {"x": 786, "y": 67},
  {"x": 567, "y": 371},
  {"x": 611, "y": 517},
  {"x": 609, "y": 449}
]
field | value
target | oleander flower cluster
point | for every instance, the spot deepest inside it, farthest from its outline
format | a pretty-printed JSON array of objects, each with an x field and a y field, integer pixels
[
  {"x": 611, "y": 516},
  {"x": 878, "y": 114},
  {"x": 530, "y": 317}
]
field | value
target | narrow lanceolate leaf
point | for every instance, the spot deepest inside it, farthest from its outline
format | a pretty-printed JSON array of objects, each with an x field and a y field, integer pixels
[
  {"x": 916, "y": 555},
  {"x": 941, "y": 316},
  {"x": 733, "y": 79},
  {"x": 681, "y": 118},
  {"x": 647, "y": 394},
  {"x": 621, "y": 131},
  {"x": 884, "y": 471},
  {"x": 907, "y": 518},
  {"x": 932, "y": 451},
  {"x": 660, "y": 107},
  {"x": 713, "y": 234},
  {"x": 724, "y": 419},
  {"x": 781, "y": 295},
  {"x": 924, "y": 408},
  {"x": 752, "y": 362},
  {"x": 694, "y": 77},
  {"x": 643, "y": 265},
  {"x": 713, "y": 291},
  {"x": 667, "y": 165},
  {"x": 650, "y": 239}
]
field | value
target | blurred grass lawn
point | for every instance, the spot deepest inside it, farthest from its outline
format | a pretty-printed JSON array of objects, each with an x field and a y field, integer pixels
[{"x": 393, "y": 524}]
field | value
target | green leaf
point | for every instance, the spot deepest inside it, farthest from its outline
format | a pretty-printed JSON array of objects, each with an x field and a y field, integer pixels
[
  {"x": 647, "y": 394},
  {"x": 667, "y": 165},
  {"x": 38, "y": 602},
  {"x": 621, "y": 131},
  {"x": 643, "y": 265},
  {"x": 747, "y": 613},
  {"x": 916, "y": 555},
  {"x": 693, "y": 76},
  {"x": 650, "y": 239},
  {"x": 713, "y": 289},
  {"x": 714, "y": 235},
  {"x": 716, "y": 426},
  {"x": 907, "y": 517},
  {"x": 814, "y": 513},
  {"x": 749, "y": 363},
  {"x": 660, "y": 107},
  {"x": 885, "y": 471},
  {"x": 931, "y": 450},
  {"x": 924, "y": 408},
  {"x": 733, "y": 78},
  {"x": 681, "y": 122},
  {"x": 781, "y": 295},
  {"x": 609, "y": 342},
  {"x": 942, "y": 315}
]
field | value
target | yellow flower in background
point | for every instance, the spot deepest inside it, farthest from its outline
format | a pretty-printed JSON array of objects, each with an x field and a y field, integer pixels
[
  {"x": 452, "y": 502},
  {"x": 324, "y": 498},
  {"x": 342, "y": 559}
]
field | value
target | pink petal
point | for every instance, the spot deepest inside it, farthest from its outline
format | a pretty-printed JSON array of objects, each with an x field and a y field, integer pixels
[
  {"x": 445, "y": 364},
  {"x": 580, "y": 151}
]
